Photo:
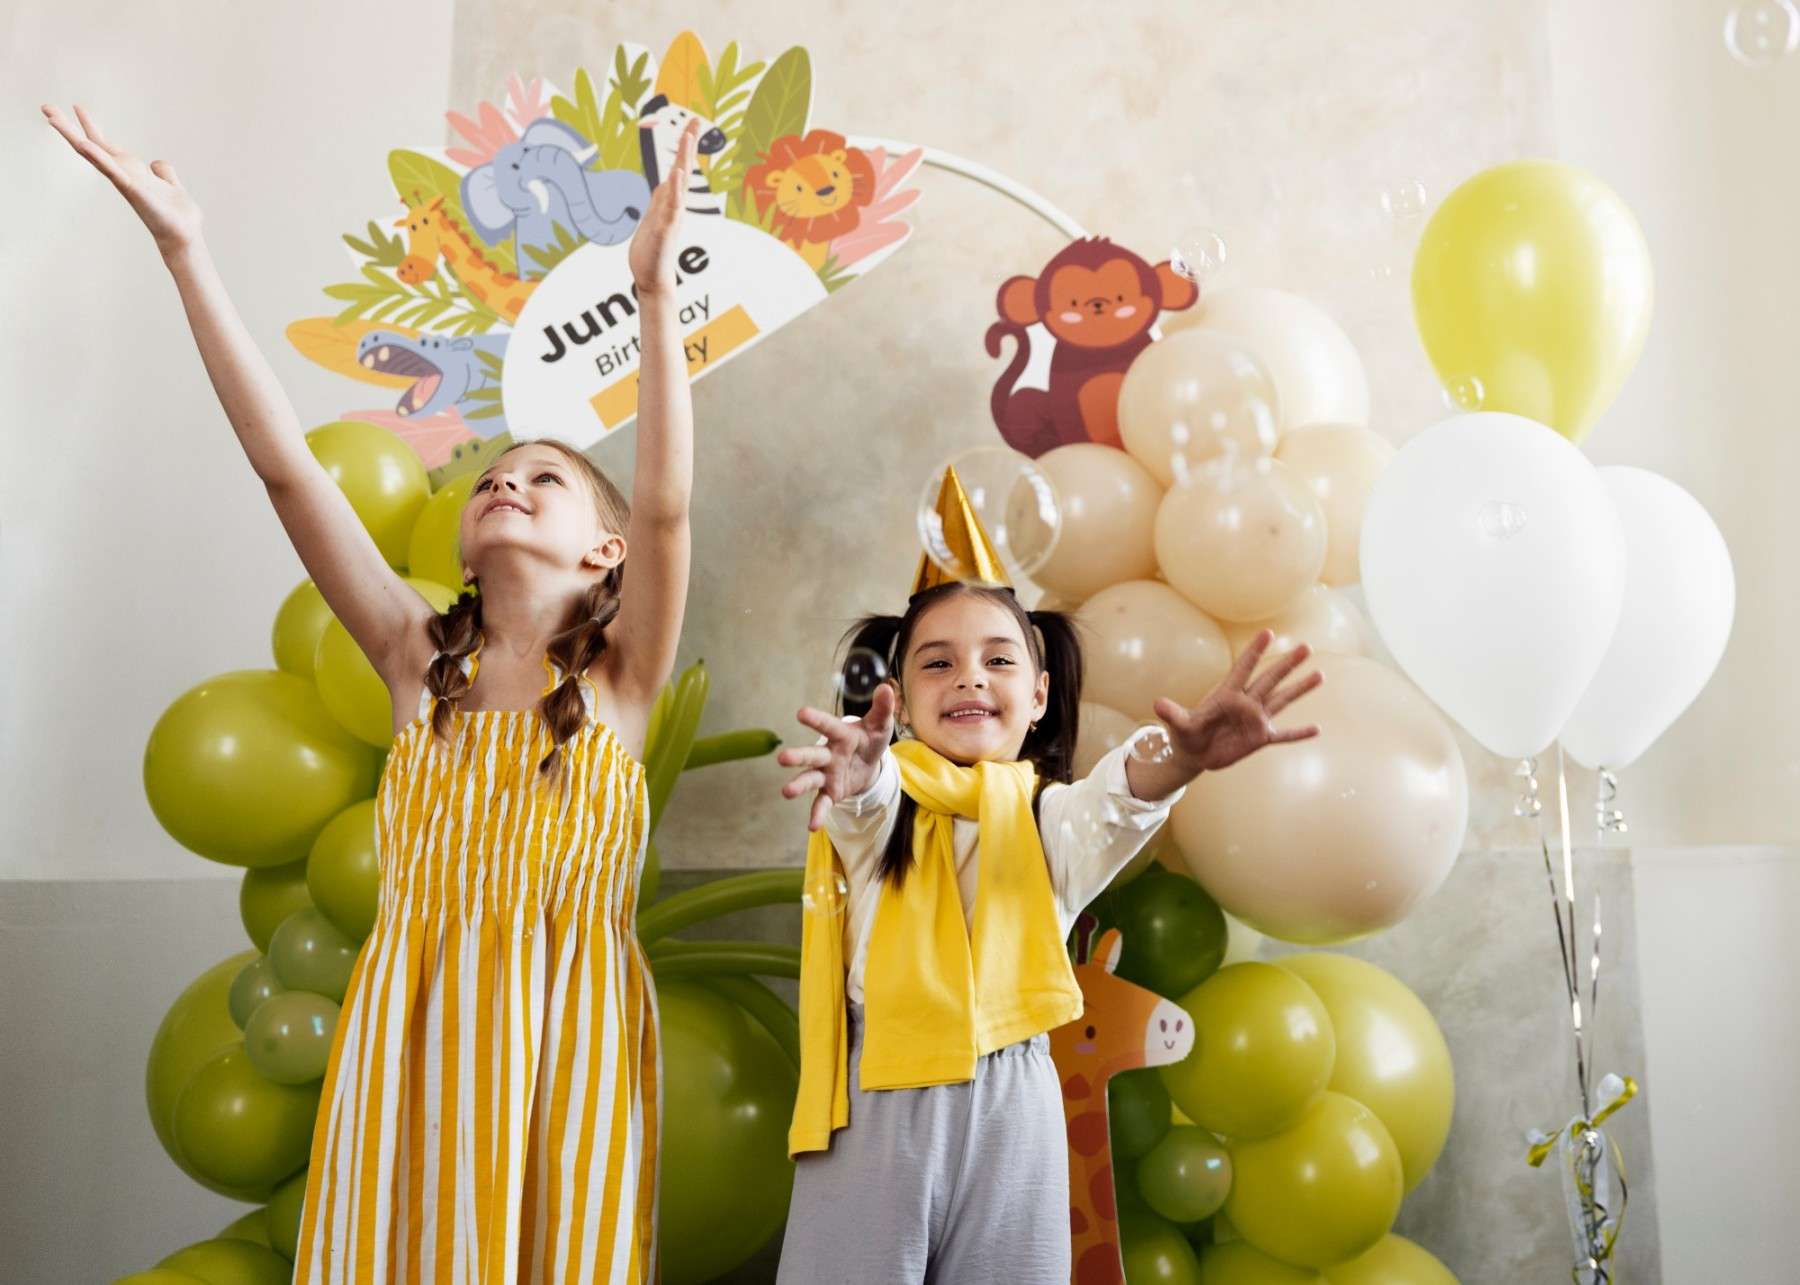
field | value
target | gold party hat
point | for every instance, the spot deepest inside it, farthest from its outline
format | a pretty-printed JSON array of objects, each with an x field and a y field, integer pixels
[{"x": 954, "y": 538}]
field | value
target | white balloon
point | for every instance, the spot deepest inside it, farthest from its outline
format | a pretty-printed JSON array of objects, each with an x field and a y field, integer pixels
[
  {"x": 1679, "y": 600},
  {"x": 1319, "y": 377},
  {"x": 1493, "y": 563}
]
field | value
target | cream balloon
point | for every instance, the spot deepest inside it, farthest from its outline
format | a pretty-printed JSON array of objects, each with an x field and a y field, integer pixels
[
  {"x": 1339, "y": 464},
  {"x": 1322, "y": 618},
  {"x": 1108, "y": 503},
  {"x": 1339, "y": 836},
  {"x": 1244, "y": 545},
  {"x": 1142, "y": 640},
  {"x": 1191, "y": 398},
  {"x": 1493, "y": 563},
  {"x": 1680, "y": 596},
  {"x": 1317, "y": 374}
]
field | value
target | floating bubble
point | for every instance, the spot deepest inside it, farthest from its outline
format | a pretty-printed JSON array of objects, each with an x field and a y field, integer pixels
[
  {"x": 863, "y": 671},
  {"x": 825, "y": 896},
  {"x": 1464, "y": 393},
  {"x": 1405, "y": 202},
  {"x": 1763, "y": 32},
  {"x": 1152, "y": 746},
  {"x": 1198, "y": 254},
  {"x": 1012, "y": 499},
  {"x": 1500, "y": 519}
]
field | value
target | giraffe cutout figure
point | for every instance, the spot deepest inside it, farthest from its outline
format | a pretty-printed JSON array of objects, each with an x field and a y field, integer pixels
[
  {"x": 431, "y": 234},
  {"x": 1122, "y": 1026}
]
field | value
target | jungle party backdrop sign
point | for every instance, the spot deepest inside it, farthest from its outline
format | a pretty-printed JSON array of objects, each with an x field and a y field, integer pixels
[{"x": 500, "y": 300}]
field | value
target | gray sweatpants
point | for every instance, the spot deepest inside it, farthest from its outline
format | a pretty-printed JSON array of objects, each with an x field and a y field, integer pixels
[{"x": 958, "y": 1184}]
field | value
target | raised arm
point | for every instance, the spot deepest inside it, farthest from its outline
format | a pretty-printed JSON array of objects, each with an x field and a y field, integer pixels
[
  {"x": 656, "y": 581},
  {"x": 381, "y": 611}
]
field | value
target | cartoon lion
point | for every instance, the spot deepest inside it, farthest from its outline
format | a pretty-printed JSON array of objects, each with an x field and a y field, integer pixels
[{"x": 818, "y": 186}]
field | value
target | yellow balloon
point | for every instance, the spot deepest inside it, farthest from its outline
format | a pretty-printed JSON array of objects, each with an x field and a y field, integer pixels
[
  {"x": 161, "y": 1276},
  {"x": 231, "y": 1262},
  {"x": 1395, "y": 1260},
  {"x": 434, "y": 551},
  {"x": 1324, "y": 1190},
  {"x": 1532, "y": 292},
  {"x": 1263, "y": 1048},
  {"x": 1391, "y": 1056},
  {"x": 240, "y": 1129},
  {"x": 342, "y": 873},
  {"x": 253, "y": 1227},
  {"x": 268, "y": 896},
  {"x": 348, "y": 683},
  {"x": 248, "y": 767},
  {"x": 298, "y": 624},
  {"x": 1237, "y": 1262},
  {"x": 196, "y": 1028},
  {"x": 382, "y": 477}
]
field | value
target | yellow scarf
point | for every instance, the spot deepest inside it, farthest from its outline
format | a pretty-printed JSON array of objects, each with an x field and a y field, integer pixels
[{"x": 933, "y": 999}]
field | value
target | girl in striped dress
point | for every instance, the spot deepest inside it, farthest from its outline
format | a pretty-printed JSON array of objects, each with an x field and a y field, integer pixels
[{"x": 491, "y": 1107}]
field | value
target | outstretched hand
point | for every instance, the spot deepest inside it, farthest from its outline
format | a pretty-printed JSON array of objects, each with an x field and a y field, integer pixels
[
  {"x": 153, "y": 189},
  {"x": 652, "y": 252},
  {"x": 846, "y": 763},
  {"x": 1235, "y": 719}
]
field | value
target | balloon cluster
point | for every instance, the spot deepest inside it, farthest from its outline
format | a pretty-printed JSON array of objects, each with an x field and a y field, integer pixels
[
  {"x": 1237, "y": 504},
  {"x": 275, "y": 770},
  {"x": 1318, "y": 1093}
]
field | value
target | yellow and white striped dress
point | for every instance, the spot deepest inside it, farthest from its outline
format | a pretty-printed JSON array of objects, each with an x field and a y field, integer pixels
[{"x": 492, "y": 1106}]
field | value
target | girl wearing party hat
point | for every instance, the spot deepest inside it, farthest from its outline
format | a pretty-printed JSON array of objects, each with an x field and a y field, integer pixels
[{"x": 943, "y": 874}]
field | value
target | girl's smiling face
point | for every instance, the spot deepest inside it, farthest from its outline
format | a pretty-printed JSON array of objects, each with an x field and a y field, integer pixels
[
  {"x": 969, "y": 687},
  {"x": 533, "y": 500}
]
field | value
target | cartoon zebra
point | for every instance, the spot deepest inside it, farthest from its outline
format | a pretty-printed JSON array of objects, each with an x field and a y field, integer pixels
[{"x": 660, "y": 123}]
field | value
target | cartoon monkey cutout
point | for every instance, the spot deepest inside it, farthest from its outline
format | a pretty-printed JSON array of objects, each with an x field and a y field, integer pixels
[{"x": 1099, "y": 301}]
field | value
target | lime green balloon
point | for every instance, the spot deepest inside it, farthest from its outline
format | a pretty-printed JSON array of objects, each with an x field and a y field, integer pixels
[
  {"x": 1154, "y": 1250},
  {"x": 160, "y": 1276},
  {"x": 342, "y": 874},
  {"x": 247, "y": 768},
  {"x": 289, "y": 1036},
  {"x": 1322, "y": 1191},
  {"x": 256, "y": 983},
  {"x": 1236, "y": 1262},
  {"x": 232, "y": 1262},
  {"x": 728, "y": 1099},
  {"x": 240, "y": 1128},
  {"x": 1532, "y": 290},
  {"x": 269, "y": 895},
  {"x": 196, "y": 1029},
  {"x": 1186, "y": 1176},
  {"x": 1137, "y": 1111},
  {"x": 298, "y": 624},
  {"x": 435, "y": 549},
  {"x": 310, "y": 953},
  {"x": 348, "y": 683},
  {"x": 1391, "y": 1056},
  {"x": 253, "y": 1227},
  {"x": 382, "y": 477},
  {"x": 1395, "y": 1260},
  {"x": 284, "y": 1215},
  {"x": 1263, "y": 1050}
]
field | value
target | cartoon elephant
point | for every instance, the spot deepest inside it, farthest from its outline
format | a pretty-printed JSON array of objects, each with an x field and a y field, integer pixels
[{"x": 542, "y": 180}]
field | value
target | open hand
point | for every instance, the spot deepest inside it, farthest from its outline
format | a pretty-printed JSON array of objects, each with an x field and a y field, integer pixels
[
  {"x": 153, "y": 190},
  {"x": 652, "y": 253},
  {"x": 846, "y": 764},
  {"x": 1234, "y": 720}
]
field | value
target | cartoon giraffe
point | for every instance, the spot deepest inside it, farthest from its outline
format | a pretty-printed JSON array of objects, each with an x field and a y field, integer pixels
[
  {"x": 1122, "y": 1027},
  {"x": 431, "y": 233}
]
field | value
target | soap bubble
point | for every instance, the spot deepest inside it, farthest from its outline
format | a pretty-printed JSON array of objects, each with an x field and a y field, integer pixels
[
  {"x": 1011, "y": 498},
  {"x": 1762, "y": 32}
]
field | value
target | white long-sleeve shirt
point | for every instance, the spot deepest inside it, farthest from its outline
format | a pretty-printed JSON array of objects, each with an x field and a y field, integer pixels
[{"x": 1090, "y": 830}]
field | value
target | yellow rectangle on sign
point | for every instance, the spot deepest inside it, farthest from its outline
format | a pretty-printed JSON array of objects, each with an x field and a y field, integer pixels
[{"x": 617, "y": 402}]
